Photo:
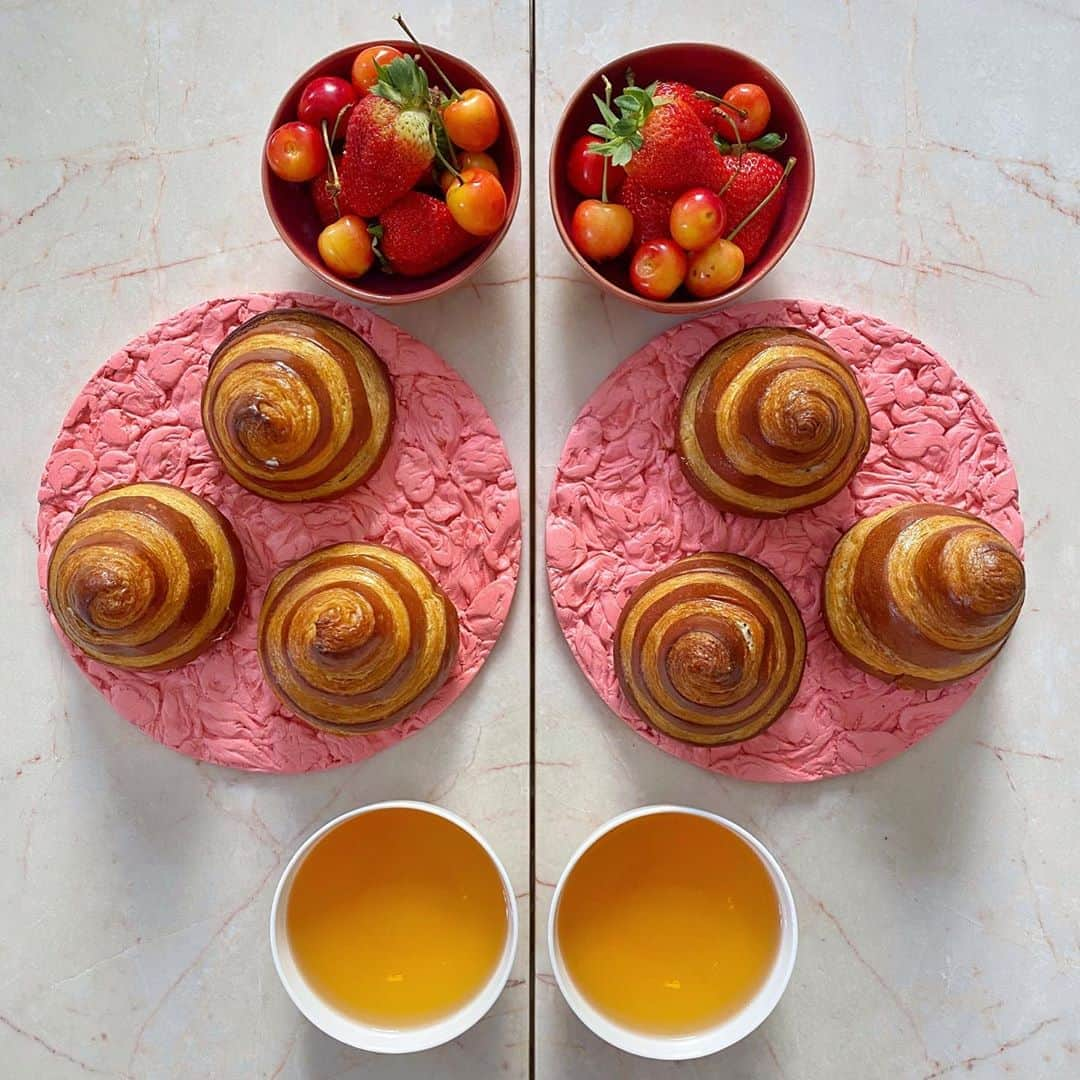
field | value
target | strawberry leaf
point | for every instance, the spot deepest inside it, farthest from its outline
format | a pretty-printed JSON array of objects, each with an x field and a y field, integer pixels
[
  {"x": 771, "y": 141},
  {"x": 609, "y": 117},
  {"x": 403, "y": 82}
]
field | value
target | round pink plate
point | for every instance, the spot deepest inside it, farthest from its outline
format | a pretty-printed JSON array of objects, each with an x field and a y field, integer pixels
[
  {"x": 621, "y": 509},
  {"x": 445, "y": 494}
]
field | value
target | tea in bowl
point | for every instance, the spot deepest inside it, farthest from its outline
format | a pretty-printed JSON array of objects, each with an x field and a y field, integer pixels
[
  {"x": 672, "y": 933},
  {"x": 393, "y": 928}
]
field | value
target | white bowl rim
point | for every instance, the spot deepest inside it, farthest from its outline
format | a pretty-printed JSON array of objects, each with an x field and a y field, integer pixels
[
  {"x": 730, "y": 1031},
  {"x": 347, "y": 1029}
]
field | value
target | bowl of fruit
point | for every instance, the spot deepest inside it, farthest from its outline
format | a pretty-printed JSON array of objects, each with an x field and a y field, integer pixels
[
  {"x": 391, "y": 170},
  {"x": 680, "y": 175}
]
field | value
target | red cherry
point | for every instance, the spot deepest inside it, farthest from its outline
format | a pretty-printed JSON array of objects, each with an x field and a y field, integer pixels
[
  {"x": 714, "y": 269},
  {"x": 585, "y": 170},
  {"x": 296, "y": 151},
  {"x": 755, "y": 103},
  {"x": 658, "y": 268},
  {"x": 364, "y": 72},
  {"x": 323, "y": 99},
  {"x": 601, "y": 230},
  {"x": 697, "y": 218}
]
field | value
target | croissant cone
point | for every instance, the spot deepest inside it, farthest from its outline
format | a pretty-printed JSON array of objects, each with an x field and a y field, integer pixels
[
  {"x": 146, "y": 576},
  {"x": 297, "y": 406},
  {"x": 355, "y": 637},
  {"x": 922, "y": 595},
  {"x": 771, "y": 421},
  {"x": 710, "y": 650}
]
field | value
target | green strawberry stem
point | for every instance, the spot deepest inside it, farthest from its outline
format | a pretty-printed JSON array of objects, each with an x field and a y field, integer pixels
[
  {"x": 721, "y": 102},
  {"x": 376, "y": 234},
  {"x": 603, "y": 177},
  {"x": 766, "y": 143},
  {"x": 761, "y": 205},
  {"x": 427, "y": 56}
]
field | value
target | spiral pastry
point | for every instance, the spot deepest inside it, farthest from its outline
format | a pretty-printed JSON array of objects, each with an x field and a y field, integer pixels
[
  {"x": 921, "y": 594},
  {"x": 354, "y": 637},
  {"x": 297, "y": 406},
  {"x": 146, "y": 576},
  {"x": 710, "y": 650},
  {"x": 771, "y": 420}
]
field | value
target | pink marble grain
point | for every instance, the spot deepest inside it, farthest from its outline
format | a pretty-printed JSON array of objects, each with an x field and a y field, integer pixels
[
  {"x": 445, "y": 495},
  {"x": 621, "y": 509}
]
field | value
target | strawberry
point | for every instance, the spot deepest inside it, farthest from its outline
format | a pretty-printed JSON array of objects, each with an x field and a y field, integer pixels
[
  {"x": 651, "y": 210},
  {"x": 418, "y": 235},
  {"x": 322, "y": 194},
  {"x": 753, "y": 195},
  {"x": 388, "y": 145},
  {"x": 665, "y": 146},
  {"x": 711, "y": 114}
]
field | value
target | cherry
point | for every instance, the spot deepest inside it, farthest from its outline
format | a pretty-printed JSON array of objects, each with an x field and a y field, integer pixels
[
  {"x": 296, "y": 151},
  {"x": 345, "y": 247},
  {"x": 364, "y": 75},
  {"x": 601, "y": 230},
  {"x": 472, "y": 120},
  {"x": 323, "y": 99},
  {"x": 658, "y": 268},
  {"x": 469, "y": 160},
  {"x": 585, "y": 170},
  {"x": 754, "y": 102},
  {"x": 698, "y": 217},
  {"x": 714, "y": 269},
  {"x": 477, "y": 202}
]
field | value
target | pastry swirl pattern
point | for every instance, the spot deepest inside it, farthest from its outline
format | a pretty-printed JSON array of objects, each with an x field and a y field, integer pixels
[
  {"x": 297, "y": 406},
  {"x": 771, "y": 421},
  {"x": 711, "y": 649},
  {"x": 146, "y": 576},
  {"x": 922, "y": 594},
  {"x": 354, "y": 637}
]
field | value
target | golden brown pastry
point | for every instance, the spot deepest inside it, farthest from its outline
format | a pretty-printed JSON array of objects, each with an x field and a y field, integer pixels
[
  {"x": 710, "y": 650},
  {"x": 354, "y": 637},
  {"x": 146, "y": 576},
  {"x": 771, "y": 420},
  {"x": 297, "y": 406},
  {"x": 921, "y": 594}
]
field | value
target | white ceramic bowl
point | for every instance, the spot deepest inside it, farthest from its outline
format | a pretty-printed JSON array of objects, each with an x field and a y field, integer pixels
[
  {"x": 347, "y": 1029},
  {"x": 684, "y": 1047}
]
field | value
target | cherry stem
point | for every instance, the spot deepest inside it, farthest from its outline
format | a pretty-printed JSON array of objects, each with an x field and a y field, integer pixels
[
  {"x": 337, "y": 121},
  {"x": 739, "y": 150},
  {"x": 721, "y": 102},
  {"x": 334, "y": 186},
  {"x": 427, "y": 56},
  {"x": 760, "y": 206},
  {"x": 438, "y": 153}
]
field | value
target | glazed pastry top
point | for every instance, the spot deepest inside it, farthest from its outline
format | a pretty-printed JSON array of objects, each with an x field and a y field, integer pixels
[
  {"x": 711, "y": 649},
  {"x": 355, "y": 637},
  {"x": 922, "y": 593},
  {"x": 297, "y": 406},
  {"x": 146, "y": 576},
  {"x": 771, "y": 421}
]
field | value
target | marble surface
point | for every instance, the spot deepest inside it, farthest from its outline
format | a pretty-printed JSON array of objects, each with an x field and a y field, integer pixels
[
  {"x": 940, "y": 925},
  {"x": 937, "y": 894},
  {"x": 136, "y": 884}
]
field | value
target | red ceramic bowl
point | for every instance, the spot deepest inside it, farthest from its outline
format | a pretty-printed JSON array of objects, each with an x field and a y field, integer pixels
[
  {"x": 293, "y": 213},
  {"x": 706, "y": 67}
]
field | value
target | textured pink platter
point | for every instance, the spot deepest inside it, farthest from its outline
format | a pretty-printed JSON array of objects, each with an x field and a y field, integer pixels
[
  {"x": 445, "y": 495},
  {"x": 620, "y": 509}
]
